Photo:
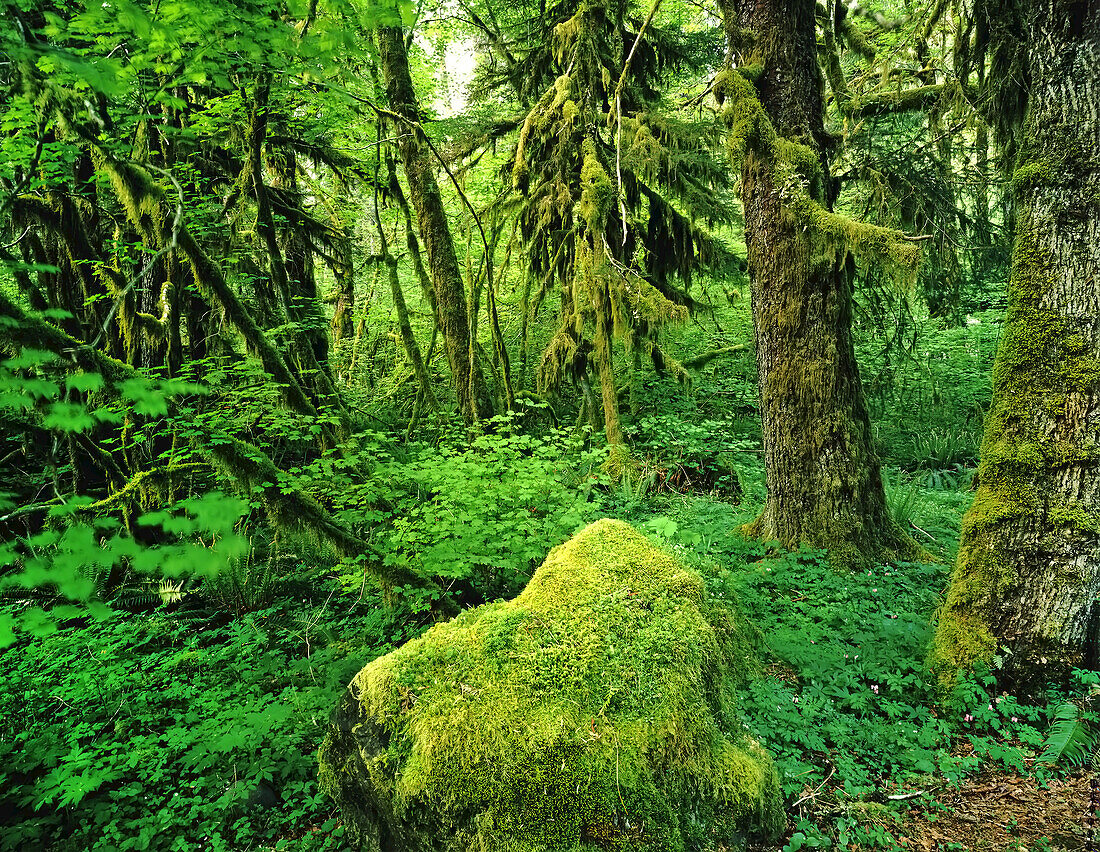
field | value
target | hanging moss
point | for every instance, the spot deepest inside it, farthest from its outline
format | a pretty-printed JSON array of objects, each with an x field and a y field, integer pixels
[
  {"x": 247, "y": 465},
  {"x": 142, "y": 200},
  {"x": 595, "y": 711},
  {"x": 597, "y": 191}
]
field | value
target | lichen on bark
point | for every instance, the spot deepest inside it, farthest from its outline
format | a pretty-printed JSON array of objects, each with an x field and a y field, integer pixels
[{"x": 1024, "y": 596}]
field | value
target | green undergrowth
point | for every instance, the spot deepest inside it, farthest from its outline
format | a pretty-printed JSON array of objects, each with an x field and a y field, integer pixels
[
  {"x": 183, "y": 728},
  {"x": 939, "y": 377},
  {"x": 847, "y": 706}
]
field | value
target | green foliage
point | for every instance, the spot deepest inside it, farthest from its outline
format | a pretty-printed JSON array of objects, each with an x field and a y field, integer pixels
[
  {"x": 480, "y": 517},
  {"x": 179, "y": 729},
  {"x": 688, "y": 455},
  {"x": 66, "y": 566},
  {"x": 940, "y": 379},
  {"x": 851, "y": 689},
  {"x": 245, "y": 584},
  {"x": 1074, "y": 734},
  {"x": 171, "y": 654},
  {"x": 1071, "y": 738}
]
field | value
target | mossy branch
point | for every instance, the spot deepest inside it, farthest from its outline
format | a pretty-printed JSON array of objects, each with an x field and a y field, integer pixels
[
  {"x": 798, "y": 173},
  {"x": 700, "y": 361},
  {"x": 836, "y": 235},
  {"x": 905, "y": 100},
  {"x": 140, "y": 486}
]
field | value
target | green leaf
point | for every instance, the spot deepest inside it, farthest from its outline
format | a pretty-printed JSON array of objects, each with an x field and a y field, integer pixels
[
  {"x": 69, "y": 417},
  {"x": 84, "y": 382},
  {"x": 1070, "y": 737},
  {"x": 146, "y": 399},
  {"x": 30, "y": 358},
  {"x": 7, "y": 630}
]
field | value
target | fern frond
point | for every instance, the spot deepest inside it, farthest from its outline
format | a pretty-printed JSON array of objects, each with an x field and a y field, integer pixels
[{"x": 1070, "y": 738}]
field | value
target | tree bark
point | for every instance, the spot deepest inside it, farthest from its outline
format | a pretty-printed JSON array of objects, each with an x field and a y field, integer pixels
[
  {"x": 474, "y": 401},
  {"x": 823, "y": 478},
  {"x": 1025, "y": 592}
]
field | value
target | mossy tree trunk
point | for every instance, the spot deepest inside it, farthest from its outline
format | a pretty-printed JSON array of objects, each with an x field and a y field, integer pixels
[
  {"x": 1026, "y": 586},
  {"x": 474, "y": 401},
  {"x": 823, "y": 477}
]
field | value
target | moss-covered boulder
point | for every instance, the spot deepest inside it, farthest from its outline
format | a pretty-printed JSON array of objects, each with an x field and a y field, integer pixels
[{"x": 594, "y": 711}]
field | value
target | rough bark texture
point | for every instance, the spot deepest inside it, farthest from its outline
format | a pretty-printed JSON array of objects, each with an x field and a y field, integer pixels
[
  {"x": 1026, "y": 587},
  {"x": 823, "y": 477},
  {"x": 435, "y": 231}
]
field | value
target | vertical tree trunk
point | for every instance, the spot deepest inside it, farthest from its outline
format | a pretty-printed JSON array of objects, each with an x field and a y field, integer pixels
[
  {"x": 823, "y": 478},
  {"x": 435, "y": 231},
  {"x": 1026, "y": 585}
]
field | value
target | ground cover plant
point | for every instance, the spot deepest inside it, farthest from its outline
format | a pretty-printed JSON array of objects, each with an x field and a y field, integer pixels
[
  {"x": 201, "y": 704},
  {"x": 323, "y": 323}
]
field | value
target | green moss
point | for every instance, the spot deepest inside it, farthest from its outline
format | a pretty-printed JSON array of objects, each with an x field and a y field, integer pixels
[
  {"x": 744, "y": 115},
  {"x": 596, "y": 710},
  {"x": 1076, "y": 517},
  {"x": 597, "y": 190},
  {"x": 803, "y": 161},
  {"x": 620, "y": 463},
  {"x": 963, "y": 637},
  {"x": 1032, "y": 174}
]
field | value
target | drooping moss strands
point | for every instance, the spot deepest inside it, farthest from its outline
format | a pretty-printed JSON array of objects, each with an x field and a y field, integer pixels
[
  {"x": 141, "y": 199},
  {"x": 834, "y": 72},
  {"x": 300, "y": 239},
  {"x": 245, "y": 464},
  {"x": 83, "y": 275}
]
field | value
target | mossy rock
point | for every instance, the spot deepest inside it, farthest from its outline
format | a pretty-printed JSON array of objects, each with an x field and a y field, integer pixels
[{"x": 594, "y": 711}]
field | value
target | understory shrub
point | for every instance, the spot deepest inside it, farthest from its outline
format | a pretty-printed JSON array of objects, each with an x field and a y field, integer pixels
[{"x": 181, "y": 729}]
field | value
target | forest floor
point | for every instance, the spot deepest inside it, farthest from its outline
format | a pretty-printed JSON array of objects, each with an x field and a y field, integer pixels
[
  {"x": 1000, "y": 811},
  {"x": 1005, "y": 811}
]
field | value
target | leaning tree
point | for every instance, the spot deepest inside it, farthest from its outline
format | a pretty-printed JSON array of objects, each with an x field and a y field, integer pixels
[{"x": 1025, "y": 592}]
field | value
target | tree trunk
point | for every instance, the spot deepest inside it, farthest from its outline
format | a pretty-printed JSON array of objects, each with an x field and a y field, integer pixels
[
  {"x": 435, "y": 232},
  {"x": 823, "y": 478},
  {"x": 1025, "y": 592}
]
